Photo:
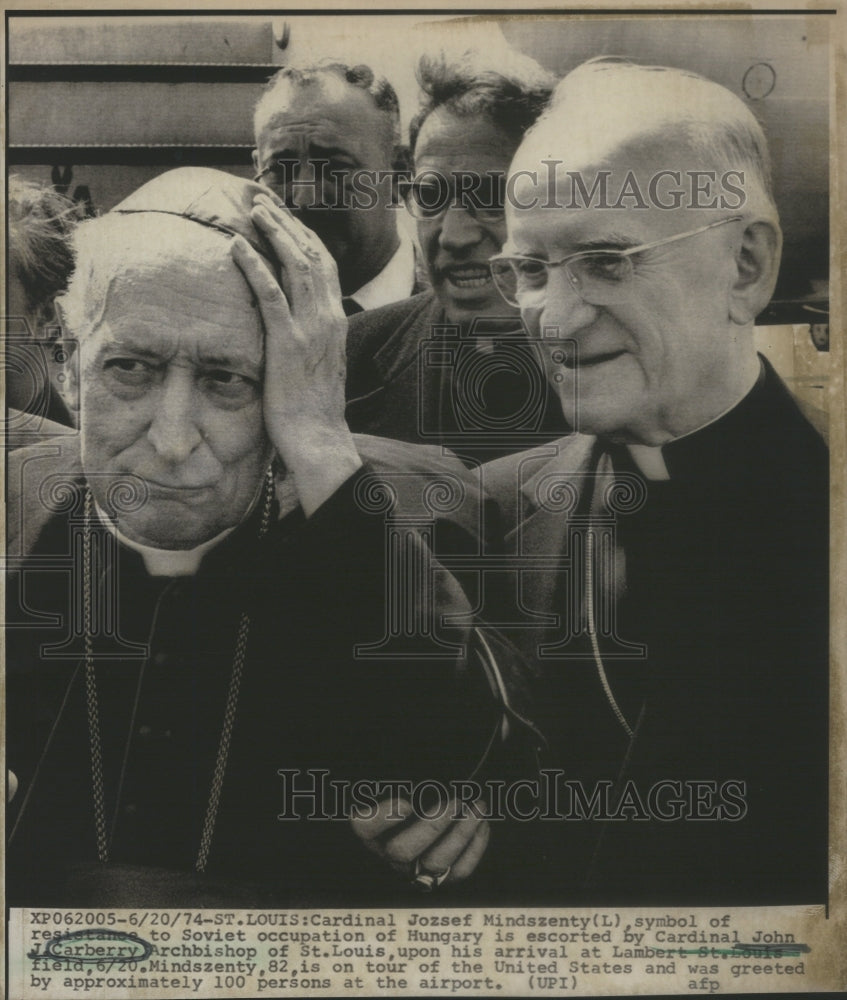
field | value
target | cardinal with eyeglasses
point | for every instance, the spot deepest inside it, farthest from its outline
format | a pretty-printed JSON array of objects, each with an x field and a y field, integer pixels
[
  {"x": 673, "y": 553},
  {"x": 224, "y": 609}
]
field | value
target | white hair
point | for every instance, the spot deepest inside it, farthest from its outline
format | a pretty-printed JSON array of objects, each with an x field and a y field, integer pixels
[{"x": 124, "y": 247}]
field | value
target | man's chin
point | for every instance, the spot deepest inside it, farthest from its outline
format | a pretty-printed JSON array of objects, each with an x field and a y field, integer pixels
[
  {"x": 608, "y": 421},
  {"x": 167, "y": 536},
  {"x": 167, "y": 526}
]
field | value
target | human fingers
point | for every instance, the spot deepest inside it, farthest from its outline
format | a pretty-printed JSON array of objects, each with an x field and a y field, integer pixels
[
  {"x": 371, "y": 826},
  {"x": 447, "y": 850},
  {"x": 415, "y": 839},
  {"x": 272, "y": 303},
  {"x": 473, "y": 853},
  {"x": 306, "y": 263}
]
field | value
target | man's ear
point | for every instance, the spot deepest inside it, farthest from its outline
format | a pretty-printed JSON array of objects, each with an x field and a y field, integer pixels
[
  {"x": 757, "y": 266},
  {"x": 64, "y": 372},
  {"x": 255, "y": 155},
  {"x": 64, "y": 363}
]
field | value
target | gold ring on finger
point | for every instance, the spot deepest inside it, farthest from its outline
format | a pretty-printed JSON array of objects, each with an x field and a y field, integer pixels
[{"x": 428, "y": 881}]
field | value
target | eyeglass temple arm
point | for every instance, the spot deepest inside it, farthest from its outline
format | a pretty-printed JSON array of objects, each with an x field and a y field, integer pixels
[
  {"x": 674, "y": 239},
  {"x": 623, "y": 253}
]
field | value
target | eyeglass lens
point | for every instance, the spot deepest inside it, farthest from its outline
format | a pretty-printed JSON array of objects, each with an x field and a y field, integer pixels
[
  {"x": 597, "y": 276},
  {"x": 482, "y": 196}
]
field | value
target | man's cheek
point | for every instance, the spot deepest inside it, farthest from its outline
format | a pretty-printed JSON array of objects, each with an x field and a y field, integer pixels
[
  {"x": 428, "y": 240},
  {"x": 107, "y": 431},
  {"x": 240, "y": 439}
]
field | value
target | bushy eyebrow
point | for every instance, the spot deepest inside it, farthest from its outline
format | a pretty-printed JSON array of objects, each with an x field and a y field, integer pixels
[
  {"x": 314, "y": 152},
  {"x": 145, "y": 352},
  {"x": 611, "y": 241},
  {"x": 239, "y": 361},
  {"x": 286, "y": 155}
]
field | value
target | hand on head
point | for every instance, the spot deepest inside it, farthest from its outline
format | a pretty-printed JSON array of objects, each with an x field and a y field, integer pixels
[{"x": 305, "y": 338}]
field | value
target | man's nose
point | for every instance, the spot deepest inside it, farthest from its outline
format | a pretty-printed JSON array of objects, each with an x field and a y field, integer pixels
[
  {"x": 459, "y": 229},
  {"x": 174, "y": 431},
  {"x": 306, "y": 186},
  {"x": 564, "y": 307}
]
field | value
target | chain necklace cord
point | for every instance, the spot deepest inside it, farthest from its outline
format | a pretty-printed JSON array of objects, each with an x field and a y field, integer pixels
[
  {"x": 91, "y": 692},
  {"x": 592, "y": 632},
  {"x": 594, "y": 510},
  {"x": 239, "y": 658},
  {"x": 91, "y": 699}
]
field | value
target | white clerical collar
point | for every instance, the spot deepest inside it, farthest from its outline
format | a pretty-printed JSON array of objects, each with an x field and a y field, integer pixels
[
  {"x": 165, "y": 562},
  {"x": 649, "y": 461},
  {"x": 394, "y": 282}
]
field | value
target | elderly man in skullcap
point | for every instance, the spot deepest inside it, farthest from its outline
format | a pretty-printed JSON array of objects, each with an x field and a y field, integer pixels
[{"x": 206, "y": 622}]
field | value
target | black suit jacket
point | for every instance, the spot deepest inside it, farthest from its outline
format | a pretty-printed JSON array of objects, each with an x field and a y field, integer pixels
[
  {"x": 314, "y": 702},
  {"x": 721, "y": 576},
  {"x": 413, "y": 376}
]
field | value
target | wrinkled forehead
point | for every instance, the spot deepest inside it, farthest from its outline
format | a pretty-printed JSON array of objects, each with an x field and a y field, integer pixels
[
  {"x": 614, "y": 183},
  {"x": 323, "y": 109},
  {"x": 593, "y": 111},
  {"x": 467, "y": 141},
  {"x": 600, "y": 116},
  {"x": 146, "y": 264}
]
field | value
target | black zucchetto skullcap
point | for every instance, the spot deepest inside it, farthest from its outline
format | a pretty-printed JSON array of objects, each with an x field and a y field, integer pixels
[{"x": 209, "y": 197}]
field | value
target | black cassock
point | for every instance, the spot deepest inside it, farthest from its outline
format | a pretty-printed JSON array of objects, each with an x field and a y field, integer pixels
[
  {"x": 722, "y": 577},
  {"x": 308, "y": 705}
]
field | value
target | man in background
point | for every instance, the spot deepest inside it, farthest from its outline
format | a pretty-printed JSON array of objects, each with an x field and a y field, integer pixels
[
  {"x": 327, "y": 142},
  {"x": 452, "y": 366},
  {"x": 41, "y": 222}
]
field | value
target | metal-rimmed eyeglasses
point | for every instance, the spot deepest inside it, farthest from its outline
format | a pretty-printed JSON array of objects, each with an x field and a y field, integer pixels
[
  {"x": 599, "y": 277},
  {"x": 431, "y": 194}
]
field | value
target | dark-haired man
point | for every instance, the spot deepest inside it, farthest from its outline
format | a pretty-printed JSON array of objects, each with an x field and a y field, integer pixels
[{"x": 452, "y": 366}]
